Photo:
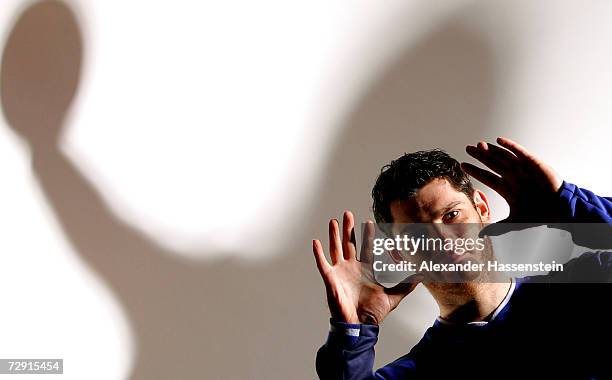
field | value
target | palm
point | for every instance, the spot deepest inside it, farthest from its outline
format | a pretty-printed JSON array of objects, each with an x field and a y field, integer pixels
[
  {"x": 352, "y": 293},
  {"x": 356, "y": 297}
]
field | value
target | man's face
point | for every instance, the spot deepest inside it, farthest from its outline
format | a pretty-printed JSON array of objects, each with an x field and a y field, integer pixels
[
  {"x": 447, "y": 213},
  {"x": 439, "y": 202}
]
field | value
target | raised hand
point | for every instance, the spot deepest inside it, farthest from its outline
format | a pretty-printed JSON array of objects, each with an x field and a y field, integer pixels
[
  {"x": 522, "y": 179},
  {"x": 352, "y": 293}
]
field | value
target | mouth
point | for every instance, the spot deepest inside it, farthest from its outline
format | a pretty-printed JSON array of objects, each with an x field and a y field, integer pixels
[{"x": 455, "y": 257}]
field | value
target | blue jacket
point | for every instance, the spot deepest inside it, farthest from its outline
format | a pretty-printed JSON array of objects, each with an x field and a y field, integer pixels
[{"x": 542, "y": 328}]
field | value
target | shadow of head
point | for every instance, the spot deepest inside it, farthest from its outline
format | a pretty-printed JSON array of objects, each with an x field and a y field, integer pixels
[
  {"x": 437, "y": 93},
  {"x": 230, "y": 319},
  {"x": 41, "y": 66}
]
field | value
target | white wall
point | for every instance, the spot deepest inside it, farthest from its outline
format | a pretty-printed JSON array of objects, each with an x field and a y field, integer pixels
[{"x": 214, "y": 129}]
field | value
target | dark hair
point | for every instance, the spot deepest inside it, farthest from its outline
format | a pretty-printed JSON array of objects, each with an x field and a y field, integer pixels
[{"x": 404, "y": 176}]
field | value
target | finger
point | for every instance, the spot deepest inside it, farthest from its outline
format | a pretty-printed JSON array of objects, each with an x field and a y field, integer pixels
[
  {"x": 492, "y": 180},
  {"x": 496, "y": 229},
  {"x": 366, "y": 255},
  {"x": 335, "y": 245},
  {"x": 348, "y": 236},
  {"x": 322, "y": 263},
  {"x": 505, "y": 226},
  {"x": 486, "y": 154},
  {"x": 511, "y": 163},
  {"x": 401, "y": 290},
  {"x": 514, "y": 147},
  {"x": 501, "y": 155}
]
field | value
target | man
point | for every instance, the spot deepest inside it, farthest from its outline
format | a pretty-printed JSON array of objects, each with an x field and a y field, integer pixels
[{"x": 517, "y": 329}]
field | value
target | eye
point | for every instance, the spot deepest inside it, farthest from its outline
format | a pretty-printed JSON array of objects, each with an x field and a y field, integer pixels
[{"x": 450, "y": 215}]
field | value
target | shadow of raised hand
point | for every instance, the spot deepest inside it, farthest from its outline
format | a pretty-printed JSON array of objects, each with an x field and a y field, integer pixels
[
  {"x": 189, "y": 318},
  {"x": 225, "y": 318}
]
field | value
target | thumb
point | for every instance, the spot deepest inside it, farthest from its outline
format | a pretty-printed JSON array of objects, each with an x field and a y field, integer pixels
[
  {"x": 401, "y": 290},
  {"x": 505, "y": 226}
]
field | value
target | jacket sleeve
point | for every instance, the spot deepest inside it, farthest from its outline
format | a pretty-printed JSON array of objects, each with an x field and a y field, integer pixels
[
  {"x": 581, "y": 205},
  {"x": 348, "y": 354},
  {"x": 586, "y": 216}
]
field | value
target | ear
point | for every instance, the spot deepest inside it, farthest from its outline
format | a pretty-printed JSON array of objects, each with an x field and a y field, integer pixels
[{"x": 481, "y": 203}]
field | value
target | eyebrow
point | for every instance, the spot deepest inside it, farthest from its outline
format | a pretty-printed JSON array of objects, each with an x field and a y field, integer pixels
[{"x": 448, "y": 206}]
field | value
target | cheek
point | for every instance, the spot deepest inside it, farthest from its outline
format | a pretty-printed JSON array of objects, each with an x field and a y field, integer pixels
[{"x": 471, "y": 215}]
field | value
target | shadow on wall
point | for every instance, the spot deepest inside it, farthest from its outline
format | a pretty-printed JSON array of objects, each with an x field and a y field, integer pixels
[{"x": 223, "y": 318}]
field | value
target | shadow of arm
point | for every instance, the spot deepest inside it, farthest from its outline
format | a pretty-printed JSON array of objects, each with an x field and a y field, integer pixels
[{"x": 103, "y": 241}]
